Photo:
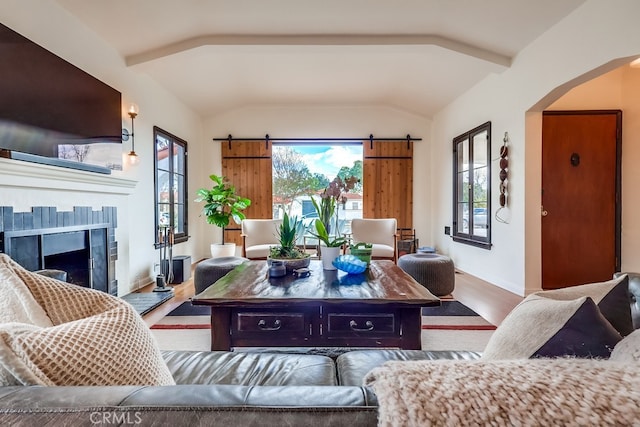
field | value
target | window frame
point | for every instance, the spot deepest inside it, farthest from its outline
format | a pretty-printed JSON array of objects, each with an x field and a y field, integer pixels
[
  {"x": 473, "y": 236},
  {"x": 183, "y": 235}
]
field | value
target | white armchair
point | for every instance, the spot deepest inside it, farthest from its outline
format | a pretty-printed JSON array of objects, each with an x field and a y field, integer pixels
[
  {"x": 258, "y": 235},
  {"x": 381, "y": 233}
]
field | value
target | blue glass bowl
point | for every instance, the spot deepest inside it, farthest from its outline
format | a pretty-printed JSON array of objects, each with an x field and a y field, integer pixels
[{"x": 350, "y": 264}]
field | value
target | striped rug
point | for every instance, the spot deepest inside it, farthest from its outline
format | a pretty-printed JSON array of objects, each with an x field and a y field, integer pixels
[{"x": 452, "y": 326}]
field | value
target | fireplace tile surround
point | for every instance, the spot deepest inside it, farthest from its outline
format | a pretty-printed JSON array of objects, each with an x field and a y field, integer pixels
[{"x": 81, "y": 242}]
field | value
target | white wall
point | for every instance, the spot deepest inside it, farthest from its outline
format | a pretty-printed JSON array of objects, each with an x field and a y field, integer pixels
[
  {"x": 596, "y": 38},
  {"x": 325, "y": 122},
  {"x": 52, "y": 27}
]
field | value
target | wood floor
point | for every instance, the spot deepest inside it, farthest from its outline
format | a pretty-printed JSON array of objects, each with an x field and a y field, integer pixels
[{"x": 489, "y": 301}]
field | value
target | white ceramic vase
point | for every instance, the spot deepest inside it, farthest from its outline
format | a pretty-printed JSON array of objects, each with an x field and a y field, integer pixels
[
  {"x": 328, "y": 255},
  {"x": 219, "y": 250}
]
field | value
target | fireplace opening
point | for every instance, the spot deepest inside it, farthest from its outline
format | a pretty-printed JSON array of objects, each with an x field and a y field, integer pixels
[{"x": 75, "y": 263}]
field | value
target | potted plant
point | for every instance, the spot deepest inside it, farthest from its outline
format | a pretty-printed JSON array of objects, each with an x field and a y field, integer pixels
[
  {"x": 221, "y": 204},
  {"x": 331, "y": 246},
  {"x": 287, "y": 251}
]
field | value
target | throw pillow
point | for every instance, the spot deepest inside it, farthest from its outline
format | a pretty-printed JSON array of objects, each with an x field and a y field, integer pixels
[
  {"x": 612, "y": 298},
  {"x": 109, "y": 345},
  {"x": 627, "y": 350},
  {"x": 542, "y": 327}
]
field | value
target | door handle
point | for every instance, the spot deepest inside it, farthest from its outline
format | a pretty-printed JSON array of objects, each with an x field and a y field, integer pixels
[{"x": 543, "y": 212}]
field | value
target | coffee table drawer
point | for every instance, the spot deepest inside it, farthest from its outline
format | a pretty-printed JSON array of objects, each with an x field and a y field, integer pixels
[
  {"x": 269, "y": 322},
  {"x": 361, "y": 323}
]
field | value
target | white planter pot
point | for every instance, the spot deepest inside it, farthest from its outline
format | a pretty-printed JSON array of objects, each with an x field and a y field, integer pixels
[
  {"x": 221, "y": 250},
  {"x": 328, "y": 255}
]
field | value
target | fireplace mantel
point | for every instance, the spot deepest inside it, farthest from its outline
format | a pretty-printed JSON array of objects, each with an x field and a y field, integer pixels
[{"x": 16, "y": 173}]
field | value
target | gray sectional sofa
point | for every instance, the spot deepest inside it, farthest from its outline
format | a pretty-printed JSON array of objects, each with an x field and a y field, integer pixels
[
  {"x": 262, "y": 388},
  {"x": 222, "y": 388}
]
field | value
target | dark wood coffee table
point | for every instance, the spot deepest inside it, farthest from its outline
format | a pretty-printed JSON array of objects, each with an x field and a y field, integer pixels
[{"x": 378, "y": 308}]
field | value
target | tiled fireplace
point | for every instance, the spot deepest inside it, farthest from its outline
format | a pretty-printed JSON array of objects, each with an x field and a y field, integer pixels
[{"x": 80, "y": 242}]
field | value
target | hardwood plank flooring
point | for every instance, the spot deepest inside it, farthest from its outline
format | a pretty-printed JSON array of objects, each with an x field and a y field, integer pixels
[{"x": 490, "y": 301}]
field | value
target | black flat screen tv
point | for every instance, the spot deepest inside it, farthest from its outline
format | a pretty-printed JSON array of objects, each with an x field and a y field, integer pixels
[{"x": 48, "y": 105}]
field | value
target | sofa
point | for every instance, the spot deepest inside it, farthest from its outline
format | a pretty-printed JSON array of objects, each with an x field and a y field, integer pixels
[{"x": 293, "y": 386}]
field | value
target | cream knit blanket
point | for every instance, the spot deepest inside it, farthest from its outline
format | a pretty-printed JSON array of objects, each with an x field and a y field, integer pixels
[
  {"x": 86, "y": 338},
  {"x": 538, "y": 392}
]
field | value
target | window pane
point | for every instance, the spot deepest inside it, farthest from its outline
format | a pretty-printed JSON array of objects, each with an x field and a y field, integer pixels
[
  {"x": 480, "y": 187},
  {"x": 480, "y": 149},
  {"x": 463, "y": 187},
  {"x": 163, "y": 215},
  {"x": 463, "y": 218},
  {"x": 179, "y": 219},
  {"x": 179, "y": 196},
  {"x": 463, "y": 155},
  {"x": 163, "y": 187},
  {"x": 178, "y": 159},
  {"x": 162, "y": 153}
]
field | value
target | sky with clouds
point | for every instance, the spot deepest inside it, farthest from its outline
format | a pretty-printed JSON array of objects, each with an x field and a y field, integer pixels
[{"x": 328, "y": 159}]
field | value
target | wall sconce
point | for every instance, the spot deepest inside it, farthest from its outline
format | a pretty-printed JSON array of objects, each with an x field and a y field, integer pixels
[{"x": 132, "y": 155}]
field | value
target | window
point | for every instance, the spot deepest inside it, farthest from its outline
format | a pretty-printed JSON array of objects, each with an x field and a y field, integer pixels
[
  {"x": 170, "y": 184},
  {"x": 472, "y": 191}
]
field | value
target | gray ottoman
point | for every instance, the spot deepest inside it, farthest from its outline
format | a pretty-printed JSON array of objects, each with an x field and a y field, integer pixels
[
  {"x": 207, "y": 272},
  {"x": 434, "y": 272}
]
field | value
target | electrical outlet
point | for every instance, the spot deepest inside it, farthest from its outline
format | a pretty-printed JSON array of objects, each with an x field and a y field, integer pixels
[{"x": 447, "y": 230}]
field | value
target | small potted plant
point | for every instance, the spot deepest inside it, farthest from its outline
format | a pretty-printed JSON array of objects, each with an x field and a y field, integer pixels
[
  {"x": 221, "y": 204},
  {"x": 331, "y": 245},
  {"x": 287, "y": 251}
]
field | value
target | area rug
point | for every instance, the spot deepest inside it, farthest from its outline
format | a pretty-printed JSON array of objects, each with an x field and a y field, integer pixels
[{"x": 452, "y": 326}]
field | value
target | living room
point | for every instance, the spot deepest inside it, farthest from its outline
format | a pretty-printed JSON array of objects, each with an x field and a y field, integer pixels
[
  {"x": 590, "y": 39},
  {"x": 512, "y": 99}
]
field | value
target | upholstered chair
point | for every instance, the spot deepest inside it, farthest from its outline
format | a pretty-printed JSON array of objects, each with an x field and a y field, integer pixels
[
  {"x": 382, "y": 233},
  {"x": 258, "y": 235}
]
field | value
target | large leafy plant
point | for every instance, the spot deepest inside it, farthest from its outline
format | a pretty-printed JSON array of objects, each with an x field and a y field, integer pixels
[
  {"x": 288, "y": 234},
  {"x": 221, "y": 203}
]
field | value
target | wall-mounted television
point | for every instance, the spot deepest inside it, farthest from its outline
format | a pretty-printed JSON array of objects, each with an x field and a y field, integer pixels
[{"x": 52, "y": 109}]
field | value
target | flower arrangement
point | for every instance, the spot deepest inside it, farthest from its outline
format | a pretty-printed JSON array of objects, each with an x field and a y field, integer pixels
[{"x": 330, "y": 197}]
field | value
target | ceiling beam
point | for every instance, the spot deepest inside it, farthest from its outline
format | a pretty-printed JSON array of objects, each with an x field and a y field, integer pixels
[{"x": 319, "y": 40}]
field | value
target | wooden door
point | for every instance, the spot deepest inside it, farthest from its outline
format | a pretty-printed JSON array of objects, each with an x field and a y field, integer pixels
[
  {"x": 580, "y": 211},
  {"x": 247, "y": 165},
  {"x": 388, "y": 181}
]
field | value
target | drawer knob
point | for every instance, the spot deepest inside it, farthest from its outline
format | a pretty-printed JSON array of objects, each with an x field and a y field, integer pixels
[
  {"x": 277, "y": 324},
  {"x": 368, "y": 326}
]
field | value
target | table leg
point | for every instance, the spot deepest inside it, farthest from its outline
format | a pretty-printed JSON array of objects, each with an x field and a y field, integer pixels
[
  {"x": 411, "y": 328},
  {"x": 220, "y": 329}
]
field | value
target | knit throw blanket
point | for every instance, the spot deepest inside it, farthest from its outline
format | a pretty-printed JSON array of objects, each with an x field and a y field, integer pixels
[
  {"x": 69, "y": 335},
  {"x": 538, "y": 392}
]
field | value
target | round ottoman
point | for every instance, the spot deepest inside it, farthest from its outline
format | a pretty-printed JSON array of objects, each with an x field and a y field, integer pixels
[
  {"x": 434, "y": 272},
  {"x": 207, "y": 272}
]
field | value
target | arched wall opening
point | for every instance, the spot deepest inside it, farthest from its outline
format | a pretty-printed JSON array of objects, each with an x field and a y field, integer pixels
[{"x": 613, "y": 85}]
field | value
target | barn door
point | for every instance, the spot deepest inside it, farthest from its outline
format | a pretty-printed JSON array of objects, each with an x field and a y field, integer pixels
[
  {"x": 247, "y": 165},
  {"x": 388, "y": 181},
  {"x": 580, "y": 210}
]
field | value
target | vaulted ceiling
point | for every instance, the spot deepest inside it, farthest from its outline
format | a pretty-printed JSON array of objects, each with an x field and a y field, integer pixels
[{"x": 415, "y": 55}]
